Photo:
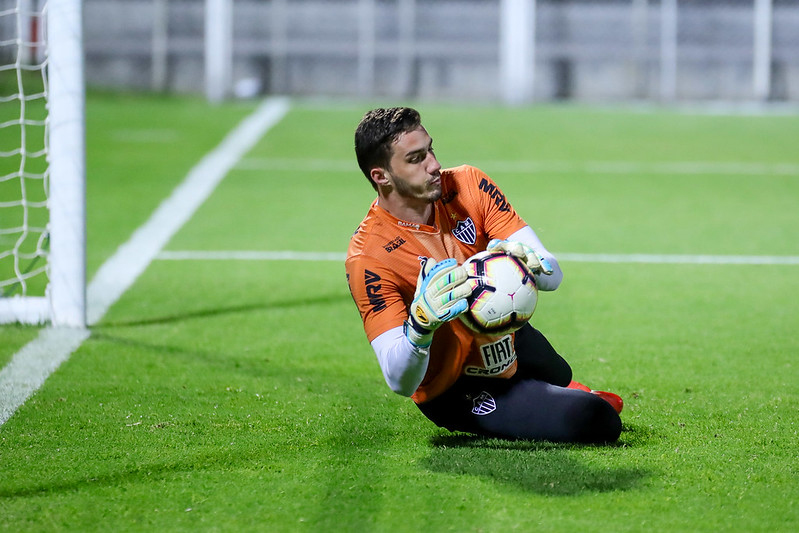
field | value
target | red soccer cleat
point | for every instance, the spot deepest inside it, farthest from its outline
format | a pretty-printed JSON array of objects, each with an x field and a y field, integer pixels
[
  {"x": 578, "y": 386},
  {"x": 614, "y": 400}
]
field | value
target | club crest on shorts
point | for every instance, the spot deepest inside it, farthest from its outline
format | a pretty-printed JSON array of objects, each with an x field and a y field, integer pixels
[
  {"x": 484, "y": 404},
  {"x": 465, "y": 231}
]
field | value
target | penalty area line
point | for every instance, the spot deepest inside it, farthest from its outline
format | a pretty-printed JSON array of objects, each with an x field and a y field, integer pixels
[
  {"x": 30, "y": 367},
  {"x": 674, "y": 259}
]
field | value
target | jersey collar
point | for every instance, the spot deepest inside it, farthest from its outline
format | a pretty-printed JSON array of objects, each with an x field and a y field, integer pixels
[{"x": 413, "y": 226}]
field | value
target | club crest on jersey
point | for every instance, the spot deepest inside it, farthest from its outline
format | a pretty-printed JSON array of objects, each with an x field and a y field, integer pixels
[
  {"x": 465, "y": 231},
  {"x": 484, "y": 404}
]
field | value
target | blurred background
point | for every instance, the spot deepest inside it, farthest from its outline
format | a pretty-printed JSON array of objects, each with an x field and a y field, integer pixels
[{"x": 515, "y": 51}]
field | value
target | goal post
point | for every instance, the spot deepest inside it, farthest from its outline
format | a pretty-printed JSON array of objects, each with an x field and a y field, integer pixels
[
  {"x": 67, "y": 163},
  {"x": 62, "y": 240}
]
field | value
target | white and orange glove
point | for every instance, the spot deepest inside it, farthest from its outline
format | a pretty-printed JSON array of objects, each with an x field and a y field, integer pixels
[{"x": 440, "y": 296}]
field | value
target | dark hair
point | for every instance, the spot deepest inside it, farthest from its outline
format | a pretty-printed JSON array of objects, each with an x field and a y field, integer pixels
[{"x": 377, "y": 131}]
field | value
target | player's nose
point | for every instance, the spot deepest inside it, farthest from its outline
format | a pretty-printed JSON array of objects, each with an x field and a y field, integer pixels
[{"x": 433, "y": 166}]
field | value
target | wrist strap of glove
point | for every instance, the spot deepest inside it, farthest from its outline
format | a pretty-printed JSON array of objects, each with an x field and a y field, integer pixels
[{"x": 417, "y": 335}]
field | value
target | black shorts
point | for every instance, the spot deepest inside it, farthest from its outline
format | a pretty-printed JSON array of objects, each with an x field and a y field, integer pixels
[{"x": 533, "y": 404}]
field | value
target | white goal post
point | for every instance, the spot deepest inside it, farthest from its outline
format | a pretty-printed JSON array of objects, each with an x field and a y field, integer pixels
[{"x": 64, "y": 300}]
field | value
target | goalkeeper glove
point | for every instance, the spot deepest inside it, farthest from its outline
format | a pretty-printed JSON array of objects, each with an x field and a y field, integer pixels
[
  {"x": 536, "y": 262},
  {"x": 440, "y": 296}
]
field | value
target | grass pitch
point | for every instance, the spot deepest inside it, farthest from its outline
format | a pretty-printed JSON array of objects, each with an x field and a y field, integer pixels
[{"x": 242, "y": 395}]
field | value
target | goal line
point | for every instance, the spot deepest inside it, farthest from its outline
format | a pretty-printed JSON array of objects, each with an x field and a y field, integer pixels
[{"x": 288, "y": 255}]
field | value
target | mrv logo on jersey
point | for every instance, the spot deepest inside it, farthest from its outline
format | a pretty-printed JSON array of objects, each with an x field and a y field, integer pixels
[
  {"x": 497, "y": 356},
  {"x": 373, "y": 287}
]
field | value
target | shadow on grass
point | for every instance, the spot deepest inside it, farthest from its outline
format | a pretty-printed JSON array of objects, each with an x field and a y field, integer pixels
[
  {"x": 539, "y": 467},
  {"x": 146, "y": 472}
]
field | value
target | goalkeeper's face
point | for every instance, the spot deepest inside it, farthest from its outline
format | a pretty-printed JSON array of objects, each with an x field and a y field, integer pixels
[{"x": 414, "y": 172}]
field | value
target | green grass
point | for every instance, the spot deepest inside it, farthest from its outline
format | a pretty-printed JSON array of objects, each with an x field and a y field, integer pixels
[{"x": 226, "y": 396}]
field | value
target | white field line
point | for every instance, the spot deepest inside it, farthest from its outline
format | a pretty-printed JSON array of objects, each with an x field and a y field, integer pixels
[
  {"x": 285, "y": 255},
  {"x": 33, "y": 364},
  {"x": 681, "y": 259},
  {"x": 700, "y": 168}
]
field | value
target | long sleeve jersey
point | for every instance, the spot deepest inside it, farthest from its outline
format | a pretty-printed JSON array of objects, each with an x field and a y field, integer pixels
[{"x": 382, "y": 266}]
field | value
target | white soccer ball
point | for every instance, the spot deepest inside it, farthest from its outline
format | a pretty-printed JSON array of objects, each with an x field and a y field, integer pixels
[{"x": 504, "y": 294}]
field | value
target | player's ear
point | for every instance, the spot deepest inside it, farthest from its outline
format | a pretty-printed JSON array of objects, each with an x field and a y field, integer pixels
[{"x": 379, "y": 176}]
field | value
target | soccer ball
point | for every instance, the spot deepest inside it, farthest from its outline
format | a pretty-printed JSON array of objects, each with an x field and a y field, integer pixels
[{"x": 504, "y": 294}]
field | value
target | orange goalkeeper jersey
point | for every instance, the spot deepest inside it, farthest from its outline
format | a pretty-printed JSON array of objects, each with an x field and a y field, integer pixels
[{"x": 383, "y": 264}]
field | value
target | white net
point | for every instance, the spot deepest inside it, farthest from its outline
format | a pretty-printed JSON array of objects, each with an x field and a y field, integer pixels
[{"x": 24, "y": 173}]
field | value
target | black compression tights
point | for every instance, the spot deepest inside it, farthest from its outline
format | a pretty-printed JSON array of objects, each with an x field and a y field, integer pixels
[{"x": 534, "y": 404}]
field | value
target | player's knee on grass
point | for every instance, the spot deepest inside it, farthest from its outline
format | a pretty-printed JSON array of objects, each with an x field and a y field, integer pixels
[{"x": 541, "y": 411}]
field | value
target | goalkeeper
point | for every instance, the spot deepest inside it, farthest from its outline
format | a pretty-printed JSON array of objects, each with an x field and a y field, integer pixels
[{"x": 403, "y": 270}]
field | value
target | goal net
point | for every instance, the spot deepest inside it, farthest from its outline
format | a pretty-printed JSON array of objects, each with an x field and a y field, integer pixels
[{"x": 42, "y": 185}]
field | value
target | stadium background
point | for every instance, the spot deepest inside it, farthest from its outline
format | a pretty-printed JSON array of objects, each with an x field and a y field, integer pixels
[{"x": 452, "y": 49}]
